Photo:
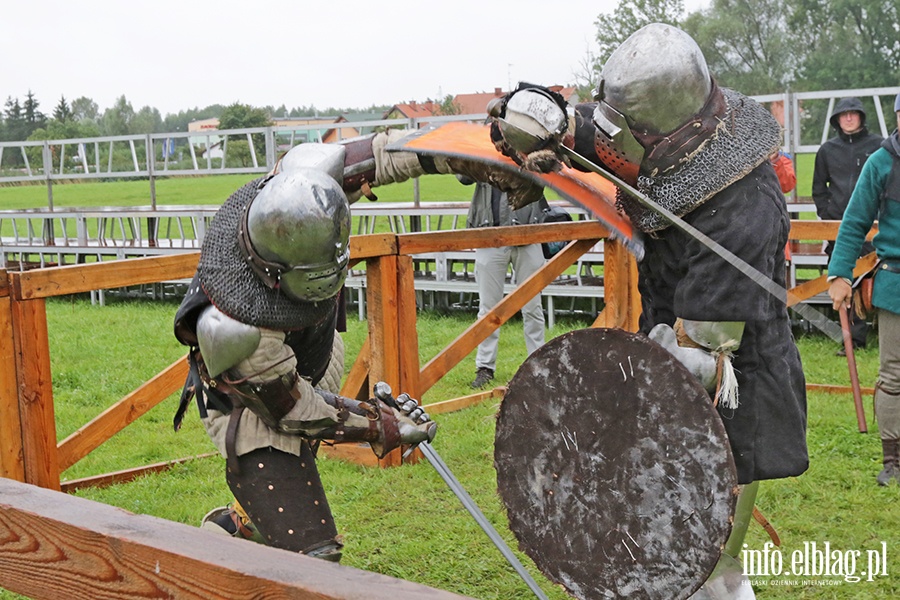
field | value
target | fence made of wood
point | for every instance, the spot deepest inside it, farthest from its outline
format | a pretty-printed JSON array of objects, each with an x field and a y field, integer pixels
[{"x": 30, "y": 452}]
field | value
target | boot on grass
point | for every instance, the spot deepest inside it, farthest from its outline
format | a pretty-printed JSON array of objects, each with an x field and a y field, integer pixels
[
  {"x": 891, "y": 449},
  {"x": 483, "y": 376}
]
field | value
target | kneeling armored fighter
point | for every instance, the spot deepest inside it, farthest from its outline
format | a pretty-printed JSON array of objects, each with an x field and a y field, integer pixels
[{"x": 266, "y": 361}]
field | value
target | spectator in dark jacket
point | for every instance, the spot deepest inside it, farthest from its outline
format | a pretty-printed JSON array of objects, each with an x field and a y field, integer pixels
[{"x": 839, "y": 162}]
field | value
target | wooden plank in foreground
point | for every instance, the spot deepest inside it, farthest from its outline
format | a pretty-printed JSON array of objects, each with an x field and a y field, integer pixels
[{"x": 56, "y": 546}]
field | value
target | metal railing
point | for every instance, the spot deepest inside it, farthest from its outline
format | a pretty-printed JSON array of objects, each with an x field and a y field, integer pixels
[
  {"x": 216, "y": 152},
  {"x": 172, "y": 154}
]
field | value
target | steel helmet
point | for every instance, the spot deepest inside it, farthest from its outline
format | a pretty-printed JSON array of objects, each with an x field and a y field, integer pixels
[
  {"x": 296, "y": 234},
  {"x": 657, "y": 78},
  {"x": 665, "y": 126},
  {"x": 531, "y": 119},
  {"x": 652, "y": 84}
]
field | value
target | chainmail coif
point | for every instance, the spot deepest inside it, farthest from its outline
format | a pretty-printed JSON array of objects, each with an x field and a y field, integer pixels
[
  {"x": 233, "y": 287},
  {"x": 747, "y": 135}
]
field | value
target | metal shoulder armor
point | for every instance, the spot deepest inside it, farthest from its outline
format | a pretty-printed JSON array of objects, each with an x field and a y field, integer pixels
[{"x": 224, "y": 342}]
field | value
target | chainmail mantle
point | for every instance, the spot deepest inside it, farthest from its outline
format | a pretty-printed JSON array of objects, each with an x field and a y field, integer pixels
[
  {"x": 233, "y": 287},
  {"x": 748, "y": 135}
]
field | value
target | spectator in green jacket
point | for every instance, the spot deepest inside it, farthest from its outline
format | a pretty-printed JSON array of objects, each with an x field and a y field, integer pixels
[{"x": 877, "y": 196}]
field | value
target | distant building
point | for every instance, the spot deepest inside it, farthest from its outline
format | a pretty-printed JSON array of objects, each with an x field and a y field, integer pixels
[
  {"x": 204, "y": 125},
  {"x": 413, "y": 110},
  {"x": 473, "y": 104},
  {"x": 466, "y": 104}
]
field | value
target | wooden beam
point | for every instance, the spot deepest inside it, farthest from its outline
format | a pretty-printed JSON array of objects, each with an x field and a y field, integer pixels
[
  {"x": 447, "y": 406},
  {"x": 74, "y": 279},
  {"x": 35, "y": 393},
  {"x": 360, "y": 454},
  {"x": 12, "y": 463},
  {"x": 802, "y": 229},
  {"x": 372, "y": 245},
  {"x": 384, "y": 330},
  {"x": 459, "y": 348},
  {"x": 620, "y": 292},
  {"x": 356, "y": 384},
  {"x": 126, "y": 475},
  {"x": 57, "y": 547},
  {"x": 407, "y": 335},
  {"x": 814, "y": 287},
  {"x": 124, "y": 412},
  {"x": 836, "y": 389},
  {"x": 495, "y": 237},
  {"x": 381, "y": 306}
]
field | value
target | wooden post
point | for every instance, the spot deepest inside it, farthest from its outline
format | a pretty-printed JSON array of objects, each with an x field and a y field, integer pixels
[
  {"x": 35, "y": 392},
  {"x": 620, "y": 293},
  {"x": 11, "y": 453},
  {"x": 407, "y": 334},
  {"x": 384, "y": 330}
]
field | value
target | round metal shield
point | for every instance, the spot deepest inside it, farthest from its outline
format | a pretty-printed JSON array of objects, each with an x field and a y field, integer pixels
[{"x": 614, "y": 467}]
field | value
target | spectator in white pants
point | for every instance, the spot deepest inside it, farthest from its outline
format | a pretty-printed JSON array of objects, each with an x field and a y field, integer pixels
[{"x": 490, "y": 208}]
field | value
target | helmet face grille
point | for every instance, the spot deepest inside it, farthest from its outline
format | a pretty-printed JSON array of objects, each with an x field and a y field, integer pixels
[
  {"x": 615, "y": 144},
  {"x": 615, "y": 160}
]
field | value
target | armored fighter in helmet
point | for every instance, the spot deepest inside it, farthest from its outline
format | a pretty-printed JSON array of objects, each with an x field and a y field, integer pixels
[
  {"x": 266, "y": 363},
  {"x": 662, "y": 124}
]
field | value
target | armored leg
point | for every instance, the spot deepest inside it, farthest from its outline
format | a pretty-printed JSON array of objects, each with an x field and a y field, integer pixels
[
  {"x": 728, "y": 581},
  {"x": 283, "y": 496},
  {"x": 743, "y": 514}
]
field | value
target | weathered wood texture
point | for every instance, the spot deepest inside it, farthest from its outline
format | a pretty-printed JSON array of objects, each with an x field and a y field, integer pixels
[
  {"x": 446, "y": 406},
  {"x": 12, "y": 463},
  {"x": 75, "y": 279},
  {"x": 384, "y": 331},
  {"x": 814, "y": 287},
  {"x": 623, "y": 303},
  {"x": 126, "y": 475},
  {"x": 819, "y": 230},
  {"x": 496, "y": 237},
  {"x": 35, "y": 393},
  {"x": 54, "y": 546}
]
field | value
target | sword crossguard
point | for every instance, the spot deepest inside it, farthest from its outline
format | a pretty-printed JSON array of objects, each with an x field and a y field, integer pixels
[{"x": 383, "y": 392}]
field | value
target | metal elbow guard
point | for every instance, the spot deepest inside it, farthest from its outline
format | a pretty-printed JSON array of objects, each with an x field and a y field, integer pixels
[{"x": 700, "y": 362}]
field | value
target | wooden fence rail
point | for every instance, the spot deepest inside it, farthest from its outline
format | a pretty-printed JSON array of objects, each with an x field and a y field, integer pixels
[{"x": 59, "y": 547}]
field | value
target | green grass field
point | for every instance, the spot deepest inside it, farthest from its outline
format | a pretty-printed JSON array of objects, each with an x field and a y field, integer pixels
[
  {"x": 421, "y": 532},
  {"x": 404, "y": 522},
  {"x": 179, "y": 191}
]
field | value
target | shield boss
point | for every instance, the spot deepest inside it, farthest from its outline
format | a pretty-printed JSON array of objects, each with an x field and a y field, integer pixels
[{"x": 614, "y": 467}]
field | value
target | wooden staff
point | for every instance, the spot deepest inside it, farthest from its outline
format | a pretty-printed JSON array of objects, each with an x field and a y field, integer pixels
[{"x": 854, "y": 375}]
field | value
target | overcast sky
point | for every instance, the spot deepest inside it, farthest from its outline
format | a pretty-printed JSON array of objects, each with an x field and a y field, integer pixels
[{"x": 179, "y": 54}]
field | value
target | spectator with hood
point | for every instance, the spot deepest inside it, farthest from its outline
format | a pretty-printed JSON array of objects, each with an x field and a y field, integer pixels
[{"x": 839, "y": 162}]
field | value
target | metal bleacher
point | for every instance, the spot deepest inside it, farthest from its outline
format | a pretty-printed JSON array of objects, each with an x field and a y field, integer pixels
[{"x": 37, "y": 238}]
